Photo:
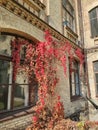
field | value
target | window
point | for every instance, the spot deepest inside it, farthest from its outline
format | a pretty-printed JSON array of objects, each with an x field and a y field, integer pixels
[
  {"x": 68, "y": 15},
  {"x": 94, "y": 22},
  {"x": 13, "y": 94},
  {"x": 74, "y": 80},
  {"x": 96, "y": 76}
]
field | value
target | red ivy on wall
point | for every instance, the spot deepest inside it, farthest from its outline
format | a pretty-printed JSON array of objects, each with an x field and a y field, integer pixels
[
  {"x": 80, "y": 55},
  {"x": 16, "y": 45},
  {"x": 41, "y": 60}
]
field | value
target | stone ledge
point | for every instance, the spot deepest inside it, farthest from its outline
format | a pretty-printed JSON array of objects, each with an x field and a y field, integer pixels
[{"x": 10, "y": 115}]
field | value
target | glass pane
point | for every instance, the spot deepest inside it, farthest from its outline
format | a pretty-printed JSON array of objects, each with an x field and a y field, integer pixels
[
  {"x": 97, "y": 89},
  {"x": 5, "y": 72},
  {"x": 77, "y": 84},
  {"x": 93, "y": 14},
  {"x": 3, "y": 97},
  {"x": 21, "y": 90},
  {"x": 96, "y": 75},
  {"x": 96, "y": 66},
  {"x": 5, "y": 45},
  {"x": 77, "y": 89},
  {"x": 19, "y": 95},
  {"x": 94, "y": 27},
  {"x": 76, "y": 66}
]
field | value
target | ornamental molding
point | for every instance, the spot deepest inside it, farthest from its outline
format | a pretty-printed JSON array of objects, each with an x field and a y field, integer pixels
[
  {"x": 22, "y": 12},
  {"x": 91, "y": 50}
]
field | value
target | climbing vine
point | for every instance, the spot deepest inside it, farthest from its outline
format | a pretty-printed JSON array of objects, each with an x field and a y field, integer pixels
[{"x": 41, "y": 59}]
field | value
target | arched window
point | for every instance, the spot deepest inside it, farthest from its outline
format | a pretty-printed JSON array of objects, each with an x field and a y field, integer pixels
[
  {"x": 93, "y": 14},
  {"x": 18, "y": 92}
]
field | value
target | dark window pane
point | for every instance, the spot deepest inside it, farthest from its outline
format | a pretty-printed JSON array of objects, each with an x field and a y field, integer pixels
[
  {"x": 96, "y": 66},
  {"x": 94, "y": 27},
  {"x": 3, "y": 97},
  {"x": 77, "y": 89},
  {"x": 93, "y": 14},
  {"x": 97, "y": 89},
  {"x": 94, "y": 22},
  {"x": 68, "y": 14},
  {"x": 96, "y": 75},
  {"x": 5, "y": 72},
  {"x": 77, "y": 80}
]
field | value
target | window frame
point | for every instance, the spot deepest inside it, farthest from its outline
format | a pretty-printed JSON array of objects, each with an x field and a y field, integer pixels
[
  {"x": 29, "y": 102},
  {"x": 69, "y": 23},
  {"x": 74, "y": 97},
  {"x": 93, "y": 19},
  {"x": 12, "y": 84},
  {"x": 95, "y": 78}
]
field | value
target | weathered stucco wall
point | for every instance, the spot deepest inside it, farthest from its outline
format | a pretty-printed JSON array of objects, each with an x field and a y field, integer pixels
[
  {"x": 91, "y": 44},
  {"x": 9, "y": 21},
  {"x": 87, "y": 5},
  {"x": 55, "y": 14}
]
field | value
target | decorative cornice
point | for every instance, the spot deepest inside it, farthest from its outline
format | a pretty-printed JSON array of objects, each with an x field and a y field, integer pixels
[
  {"x": 25, "y": 14},
  {"x": 41, "y": 5},
  {"x": 91, "y": 50}
]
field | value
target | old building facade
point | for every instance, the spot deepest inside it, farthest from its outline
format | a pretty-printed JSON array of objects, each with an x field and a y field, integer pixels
[
  {"x": 90, "y": 26},
  {"x": 26, "y": 19}
]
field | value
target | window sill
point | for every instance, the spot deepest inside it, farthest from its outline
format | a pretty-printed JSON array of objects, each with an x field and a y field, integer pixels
[
  {"x": 9, "y": 115},
  {"x": 74, "y": 98},
  {"x": 96, "y": 40},
  {"x": 95, "y": 37},
  {"x": 71, "y": 31}
]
